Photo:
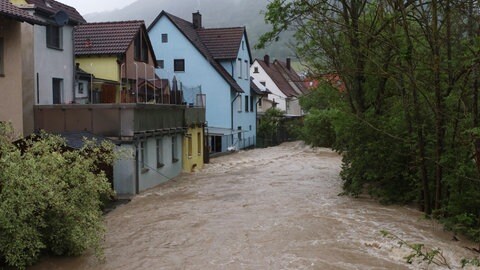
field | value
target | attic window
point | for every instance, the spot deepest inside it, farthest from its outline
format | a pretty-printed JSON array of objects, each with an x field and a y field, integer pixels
[
  {"x": 255, "y": 70},
  {"x": 179, "y": 65},
  {"x": 164, "y": 38}
]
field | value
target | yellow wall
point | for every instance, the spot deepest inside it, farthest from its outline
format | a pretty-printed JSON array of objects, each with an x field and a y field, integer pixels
[
  {"x": 18, "y": 2},
  {"x": 195, "y": 161},
  {"x": 101, "y": 67}
]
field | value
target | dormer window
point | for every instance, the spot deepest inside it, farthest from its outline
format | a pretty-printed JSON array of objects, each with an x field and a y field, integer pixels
[{"x": 54, "y": 36}]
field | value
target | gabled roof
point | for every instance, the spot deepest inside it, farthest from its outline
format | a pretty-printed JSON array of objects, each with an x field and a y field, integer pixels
[
  {"x": 51, "y": 7},
  {"x": 107, "y": 38},
  {"x": 286, "y": 80},
  {"x": 7, "y": 9},
  {"x": 187, "y": 29},
  {"x": 292, "y": 76},
  {"x": 222, "y": 43},
  {"x": 258, "y": 89}
]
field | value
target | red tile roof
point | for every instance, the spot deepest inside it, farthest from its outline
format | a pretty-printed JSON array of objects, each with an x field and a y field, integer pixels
[
  {"x": 105, "y": 38},
  {"x": 222, "y": 43},
  {"x": 194, "y": 37},
  {"x": 7, "y": 9},
  {"x": 51, "y": 7},
  {"x": 286, "y": 80}
]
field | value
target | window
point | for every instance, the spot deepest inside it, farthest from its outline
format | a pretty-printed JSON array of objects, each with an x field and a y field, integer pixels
[
  {"x": 246, "y": 103},
  {"x": 143, "y": 155},
  {"x": 2, "y": 56},
  {"x": 239, "y": 133},
  {"x": 140, "y": 48},
  {"x": 199, "y": 143},
  {"x": 255, "y": 70},
  {"x": 263, "y": 83},
  {"x": 247, "y": 70},
  {"x": 252, "y": 102},
  {"x": 179, "y": 65},
  {"x": 164, "y": 38},
  {"x": 250, "y": 127},
  {"x": 239, "y": 103},
  {"x": 54, "y": 36},
  {"x": 189, "y": 145},
  {"x": 239, "y": 68},
  {"x": 161, "y": 64},
  {"x": 260, "y": 102},
  {"x": 159, "y": 153},
  {"x": 80, "y": 88},
  {"x": 57, "y": 90},
  {"x": 243, "y": 45},
  {"x": 174, "y": 149}
]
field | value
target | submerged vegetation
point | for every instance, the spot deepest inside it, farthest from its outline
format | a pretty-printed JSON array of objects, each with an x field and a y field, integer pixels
[
  {"x": 407, "y": 120},
  {"x": 50, "y": 197}
]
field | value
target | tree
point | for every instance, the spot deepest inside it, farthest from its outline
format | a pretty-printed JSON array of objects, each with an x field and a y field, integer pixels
[
  {"x": 50, "y": 198},
  {"x": 407, "y": 122}
]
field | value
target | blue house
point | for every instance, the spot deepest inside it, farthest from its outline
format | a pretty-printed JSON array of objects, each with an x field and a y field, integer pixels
[{"x": 217, "y": 61}]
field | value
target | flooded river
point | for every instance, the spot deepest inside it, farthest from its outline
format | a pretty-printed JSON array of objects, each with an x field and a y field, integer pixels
[{"x": 275, "y": 208}]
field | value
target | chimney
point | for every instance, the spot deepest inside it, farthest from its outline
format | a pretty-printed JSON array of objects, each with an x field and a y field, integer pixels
[
  {"x": 197, "y": 20},
  {"x": 266, "y": 59},
  {"x": 289, "y": 63}
]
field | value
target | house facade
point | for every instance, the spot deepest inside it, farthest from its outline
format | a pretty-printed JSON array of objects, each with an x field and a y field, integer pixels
[
  {"x": 217, "y": 61},
  {"x": 284, "y": 84},
  {"x": 16, "y": 66},
  {"x": 53, "y": 67},
  {"x": 119, "y": 55}
]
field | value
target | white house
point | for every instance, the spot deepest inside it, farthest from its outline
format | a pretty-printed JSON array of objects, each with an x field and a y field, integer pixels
[
  {"x": 54, "y": 62},
  {"x": 284, "y": 84}
]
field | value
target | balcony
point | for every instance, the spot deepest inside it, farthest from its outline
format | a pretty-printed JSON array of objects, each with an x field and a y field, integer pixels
[{"x": 121, "y": 121}]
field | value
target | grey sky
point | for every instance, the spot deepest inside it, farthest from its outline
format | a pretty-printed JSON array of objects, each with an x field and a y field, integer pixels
[{"x": 90, "y": 6}]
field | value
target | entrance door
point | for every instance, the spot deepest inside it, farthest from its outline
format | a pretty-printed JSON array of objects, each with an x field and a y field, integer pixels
[{"x": 57, "y": 89}]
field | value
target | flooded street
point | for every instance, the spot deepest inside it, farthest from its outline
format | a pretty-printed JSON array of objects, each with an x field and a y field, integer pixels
[{"x": 275, "y": 208}]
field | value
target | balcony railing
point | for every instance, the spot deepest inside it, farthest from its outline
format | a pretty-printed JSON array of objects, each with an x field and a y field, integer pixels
[{"x": 116, "y": 120}]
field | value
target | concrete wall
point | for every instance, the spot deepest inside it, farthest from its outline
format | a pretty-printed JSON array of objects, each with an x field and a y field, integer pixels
[
  {"x": 11, "y": 81},
  {"x": 198, "y": 71},
  {"x": 195, "y": 160},
  {"x": 124, "y": 171},
  {"x": 53, "y": 63},
  {"x": 152, "y": 175}
]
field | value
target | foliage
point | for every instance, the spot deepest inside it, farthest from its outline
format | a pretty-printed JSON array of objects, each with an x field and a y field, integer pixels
[
  {"x": 269, "y": 126},
  {"x": 406, "y": 118},
  {"x": 50, "y": 198},
  {"x": 420, "y": 251}
]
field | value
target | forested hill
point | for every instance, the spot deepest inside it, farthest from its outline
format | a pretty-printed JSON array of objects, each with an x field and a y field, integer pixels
[{"x": 215, "y": 13}]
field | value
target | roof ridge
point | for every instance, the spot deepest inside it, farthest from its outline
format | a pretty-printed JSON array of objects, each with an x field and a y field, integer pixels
[
  {"x": 219, "y": 28},
  {"x": 114, "y": 22}
]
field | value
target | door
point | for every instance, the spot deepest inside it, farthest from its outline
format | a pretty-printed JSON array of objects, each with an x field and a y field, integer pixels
[{"x": 57, "y": 89}]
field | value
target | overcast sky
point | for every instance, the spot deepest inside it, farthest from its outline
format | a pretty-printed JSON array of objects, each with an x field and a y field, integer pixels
[{"x": 90, "y": 6}]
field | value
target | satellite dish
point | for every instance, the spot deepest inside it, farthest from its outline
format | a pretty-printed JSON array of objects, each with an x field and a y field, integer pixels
[{"x": 61, "y": 17}]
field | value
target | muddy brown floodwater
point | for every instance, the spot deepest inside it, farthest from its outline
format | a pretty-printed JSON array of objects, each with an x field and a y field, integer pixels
[{"x": 274, "y": 208}]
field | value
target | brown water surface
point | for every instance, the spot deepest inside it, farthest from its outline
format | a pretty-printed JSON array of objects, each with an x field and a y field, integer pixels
[{"x": 274, "y": 208}]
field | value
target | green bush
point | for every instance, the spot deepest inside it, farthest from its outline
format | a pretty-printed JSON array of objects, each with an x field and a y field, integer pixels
[{"x": 50, "y": 198}]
